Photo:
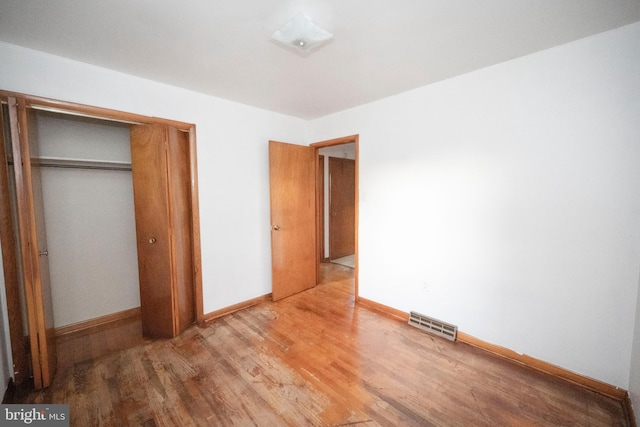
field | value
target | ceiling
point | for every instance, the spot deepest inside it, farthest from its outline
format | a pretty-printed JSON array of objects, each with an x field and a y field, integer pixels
[{"x": 380, "y": 48}]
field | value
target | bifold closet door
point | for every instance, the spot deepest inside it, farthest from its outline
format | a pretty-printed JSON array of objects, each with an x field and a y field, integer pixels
[
  {"x": 10, "y": 256},
  {"x": 32, "y": 247},
  {"x": 160, "y": 172}
]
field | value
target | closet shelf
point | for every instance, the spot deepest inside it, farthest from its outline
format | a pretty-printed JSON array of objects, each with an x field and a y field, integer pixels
[{"x": 57, "y": 162}]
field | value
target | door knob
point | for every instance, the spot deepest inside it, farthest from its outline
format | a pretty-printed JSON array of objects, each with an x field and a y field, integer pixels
[
  {"x": 275, "y": 227},
  {"x": 152, "y": 240}
]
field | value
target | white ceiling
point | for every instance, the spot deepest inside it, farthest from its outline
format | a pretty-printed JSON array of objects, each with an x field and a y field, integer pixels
[{"x": 380, "y": 47}]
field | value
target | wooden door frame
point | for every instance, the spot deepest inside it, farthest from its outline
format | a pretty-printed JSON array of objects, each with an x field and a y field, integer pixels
[
  {"x": 355, "y": 139},
  {"x": 320, "y": 188},
  {"x": 71, "y": 108}
]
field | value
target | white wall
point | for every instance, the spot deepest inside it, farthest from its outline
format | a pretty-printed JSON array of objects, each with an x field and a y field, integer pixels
[
  {"x": 232, "y": 159},
  {"x": 507, "y": 201},
  {"x": 89, "y": 215}
]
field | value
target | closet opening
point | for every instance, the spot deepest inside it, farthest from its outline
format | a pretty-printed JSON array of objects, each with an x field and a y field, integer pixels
[
  {"x": 83, "y": 184},
  {"x": 86, "y": 186}
]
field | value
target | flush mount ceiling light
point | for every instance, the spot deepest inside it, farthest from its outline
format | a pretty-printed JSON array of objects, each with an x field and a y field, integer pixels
[{"x": 301, "y": 33}]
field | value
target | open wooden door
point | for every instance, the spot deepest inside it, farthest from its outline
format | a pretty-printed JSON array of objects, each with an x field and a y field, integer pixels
[
  {"x": 292, "y": 173},
  {"x": 33, "y": 249},
  {"x": 342, "y": 195}
]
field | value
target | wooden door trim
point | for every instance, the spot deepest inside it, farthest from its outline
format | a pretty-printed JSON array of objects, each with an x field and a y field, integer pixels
[
  {"x": 339, "y": 141},
  {"x": 73, "y": 108},
  {"x": 65, "y": 107},
  {"x": 320, "y": 187}
]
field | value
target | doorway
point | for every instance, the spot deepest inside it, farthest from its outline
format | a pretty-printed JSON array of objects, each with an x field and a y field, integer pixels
[
  {"x": 297, "y": 188},
  {"x": 337, "y": 205}
]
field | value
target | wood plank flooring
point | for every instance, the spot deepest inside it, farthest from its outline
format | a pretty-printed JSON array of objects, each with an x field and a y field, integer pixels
[{"x": 313, "y": 359}]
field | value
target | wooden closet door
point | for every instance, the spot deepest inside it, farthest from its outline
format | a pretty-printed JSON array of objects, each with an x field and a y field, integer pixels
[
  {"x": 10, "y": 256},
  {"x": 149, "y": 172},
  {"x": 180, "y": 222},
  {"x": 160, "y": 171},
  {"x": 33, "y": 249}
]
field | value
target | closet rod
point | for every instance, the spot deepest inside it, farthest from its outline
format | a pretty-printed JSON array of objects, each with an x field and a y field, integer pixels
[
  {"x": 53, "y": 162},
  {"x": 90, "y": 167}
]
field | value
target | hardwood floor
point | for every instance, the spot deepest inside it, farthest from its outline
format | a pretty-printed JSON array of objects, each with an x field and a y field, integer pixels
[{"x": 313, "y": 359}]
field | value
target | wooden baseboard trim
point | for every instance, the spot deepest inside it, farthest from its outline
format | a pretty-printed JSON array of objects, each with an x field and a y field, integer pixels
[
  {"x": 235, "y": 307},
  {"x": 385, "y": 310},
  {"x": 594, "y": 385},
  {"x": 95, "y": 324},
  {"x": 542, "y": 366}
]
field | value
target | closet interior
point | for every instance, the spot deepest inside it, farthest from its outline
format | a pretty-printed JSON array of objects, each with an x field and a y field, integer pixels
[
  {"x": 87, "y": 195},
  {"x": 91, "y": 232}
]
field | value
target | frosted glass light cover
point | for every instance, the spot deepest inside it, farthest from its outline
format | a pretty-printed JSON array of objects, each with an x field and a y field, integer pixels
[{"x": 301, "y": 33}]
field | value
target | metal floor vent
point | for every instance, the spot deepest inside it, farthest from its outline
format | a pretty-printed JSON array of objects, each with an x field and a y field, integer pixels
[{"x": 433, "y": 326}]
